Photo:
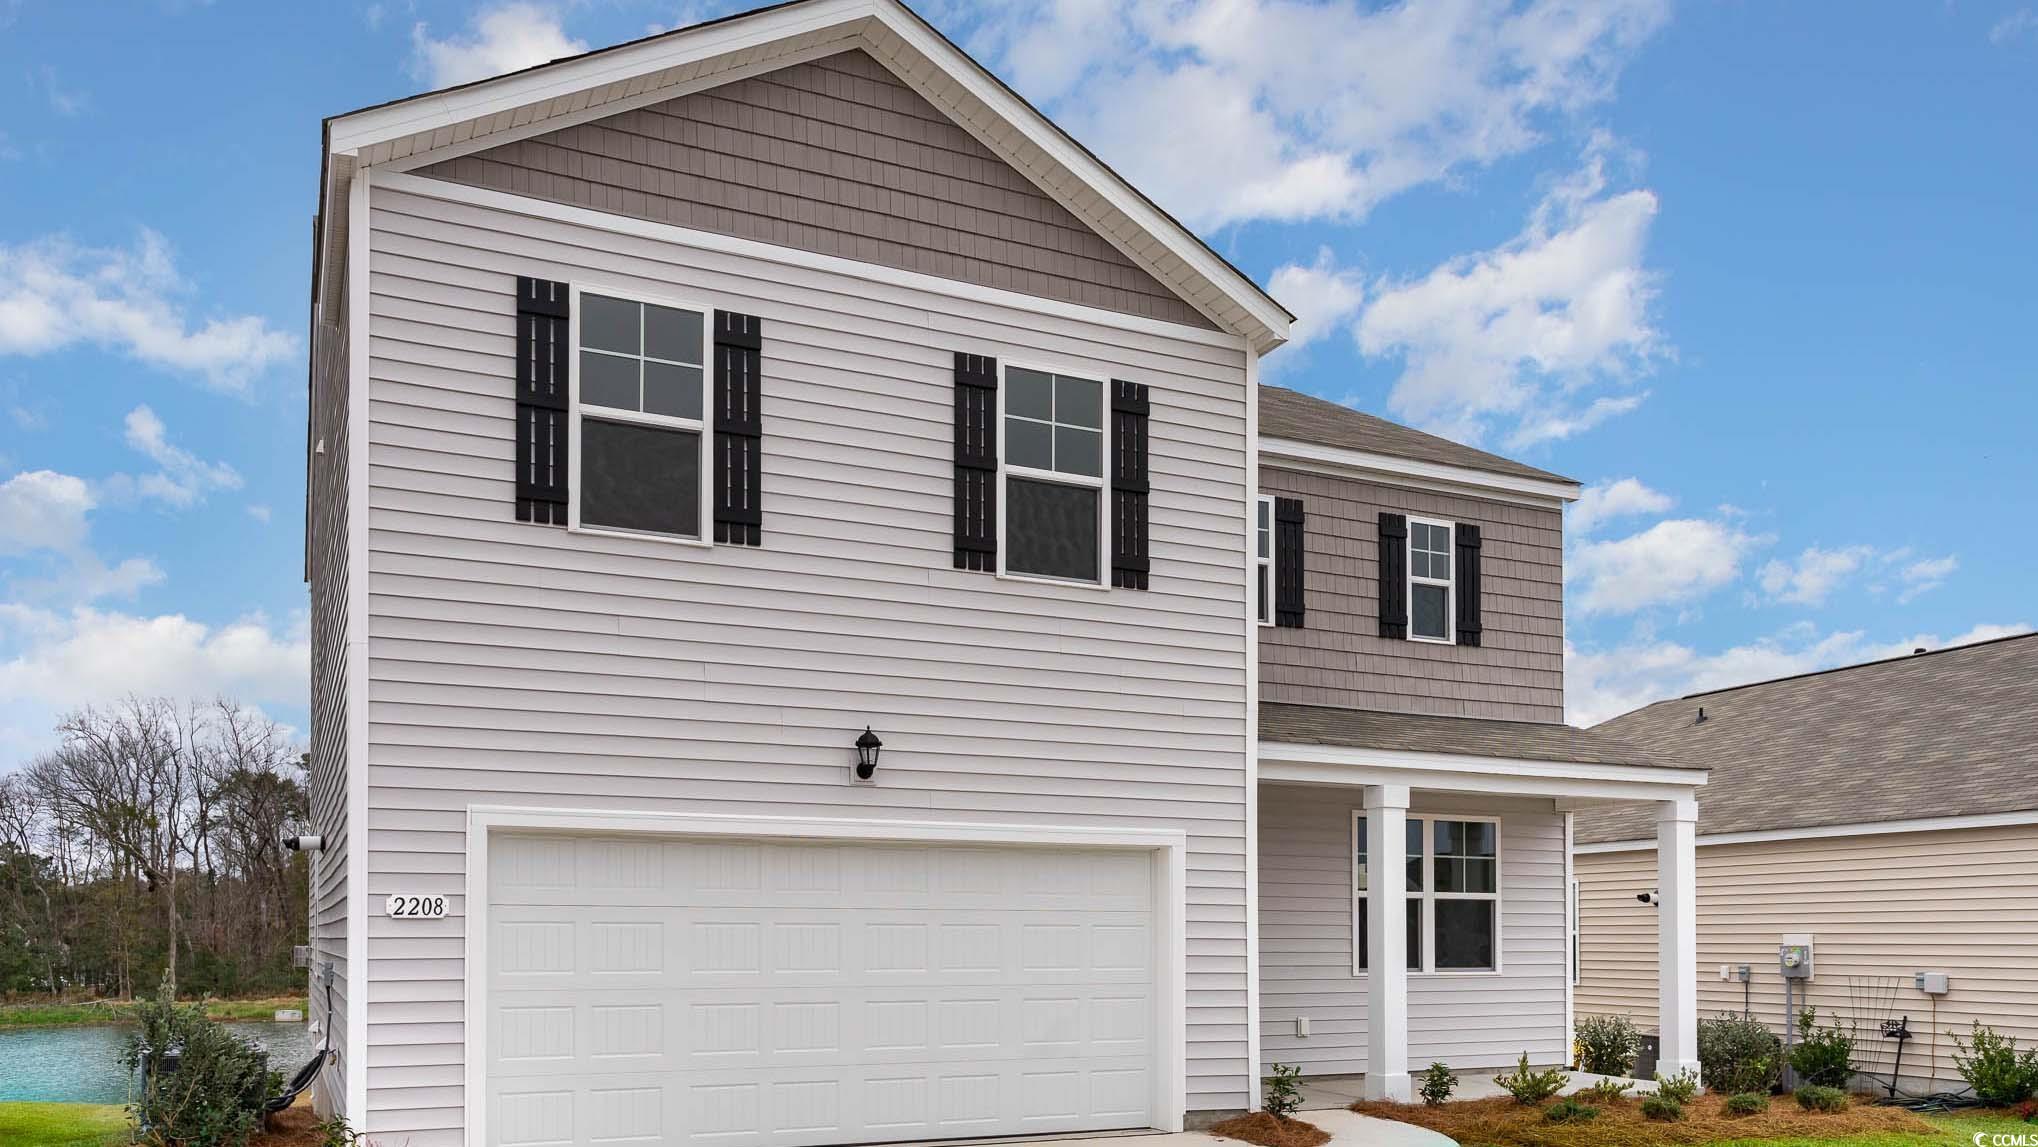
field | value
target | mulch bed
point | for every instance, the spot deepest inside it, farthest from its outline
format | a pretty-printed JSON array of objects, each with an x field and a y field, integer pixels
[
  {"x": 1504, "y": 1123},
  {"x": 294, "y": 1126},
  {"x": 1267, "y": 1131}
]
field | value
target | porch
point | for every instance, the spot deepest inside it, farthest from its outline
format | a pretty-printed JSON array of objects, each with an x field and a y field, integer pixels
[{"x": 1478, "y": 913}]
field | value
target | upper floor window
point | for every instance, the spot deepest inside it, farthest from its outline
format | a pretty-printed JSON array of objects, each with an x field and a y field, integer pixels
[
  {"x": 1429, "y": 580},
  {"x": 1051, "y": 475},
  {"x": 1263, "y": 558},
  {"x": 639, "y": 387}
]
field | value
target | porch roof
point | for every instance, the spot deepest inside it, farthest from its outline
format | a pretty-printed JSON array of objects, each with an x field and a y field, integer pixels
[{"x": 1456, "y": 736}]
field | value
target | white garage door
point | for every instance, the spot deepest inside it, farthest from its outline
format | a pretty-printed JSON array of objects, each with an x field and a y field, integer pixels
[{"x": 659, "y": 990}]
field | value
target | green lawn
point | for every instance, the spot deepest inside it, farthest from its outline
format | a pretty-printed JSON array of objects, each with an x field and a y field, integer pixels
[
  {"x": 61, "y": 1124},
  {"x": 109, "y": 1012}
]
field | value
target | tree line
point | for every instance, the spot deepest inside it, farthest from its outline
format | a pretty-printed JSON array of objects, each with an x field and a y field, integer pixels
[{"x": 147, "y": 844}]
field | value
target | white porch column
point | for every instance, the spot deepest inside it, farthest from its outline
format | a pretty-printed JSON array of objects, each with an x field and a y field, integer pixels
[
  {"x": 1386, "y": 944},
  {"x": 1677, "y": 932}
]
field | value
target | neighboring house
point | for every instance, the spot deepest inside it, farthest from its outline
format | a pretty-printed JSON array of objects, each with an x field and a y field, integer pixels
[
  {"x": 1887, "y": 813},
  {"x": 688, "y": 416}
]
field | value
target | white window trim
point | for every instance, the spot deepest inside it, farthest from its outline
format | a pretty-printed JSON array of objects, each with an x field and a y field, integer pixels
[
  {"x": 1429, "y": 896},
  {"x": 1263, "y": 607},
  {"x": 609, "y": 414},
  {"x": 1101, "y": 483},
  {"x": 1450, "y": 584}
]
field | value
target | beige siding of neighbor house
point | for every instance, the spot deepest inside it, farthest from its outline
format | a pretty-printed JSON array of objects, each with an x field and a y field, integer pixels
[
  {"x": 836, "y": 156},
  {"x": 1880, "y": 908},
  {"x": 1339, "y": 658},
  {"x": 1465, "y": 1019},
  {"x": 326, "y": 539},
  {"x": 520, "y": 664}
]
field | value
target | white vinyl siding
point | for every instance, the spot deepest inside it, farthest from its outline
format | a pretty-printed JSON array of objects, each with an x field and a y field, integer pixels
[
  {"x": 1465, "y": 1019},
  {"x": 511, "y": 663},
  {"x": 326, "y": 776}
]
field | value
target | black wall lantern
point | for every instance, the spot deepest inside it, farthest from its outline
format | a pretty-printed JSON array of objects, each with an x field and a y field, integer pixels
[{"x": 867, "y": 747}]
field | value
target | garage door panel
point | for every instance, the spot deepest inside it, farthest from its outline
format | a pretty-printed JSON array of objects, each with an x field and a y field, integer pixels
[{"x": 794, "y": 995}]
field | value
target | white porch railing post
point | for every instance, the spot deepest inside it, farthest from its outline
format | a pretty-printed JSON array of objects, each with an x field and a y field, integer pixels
[
  {"x": 1386, "y": 944},
  {"x": 1677, "y": 933}
]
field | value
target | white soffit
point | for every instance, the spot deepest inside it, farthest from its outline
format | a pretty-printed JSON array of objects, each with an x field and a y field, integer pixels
[{"x": 411, "y": 132}]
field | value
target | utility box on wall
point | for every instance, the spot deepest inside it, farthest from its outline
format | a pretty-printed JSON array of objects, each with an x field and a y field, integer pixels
[{"x": 1794, "y": 956}]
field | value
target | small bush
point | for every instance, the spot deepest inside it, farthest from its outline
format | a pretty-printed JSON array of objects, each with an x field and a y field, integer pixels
[
  {"x": 1823, "y": 1057},
  {"x": 1660, "y": 1110},
  {"x": 1814, "y": 1097},
  {"x": 215, "y": 1095},
  {"x": 1991, "y": 1066},
  {"x": 1284, "y": 1091},
  {"x": 1679, "y": 1089},
  {"x": 1569, "y": 1111},
  {"x": 1607, "y": 1091},
  {"x": 1607, "y": 1045},
  {"x": 1531, "y": 1087},
  {"x": 1747, "y": 1103},
  {"x": 1437, "y": 1085},
  {"x": 1736, "y": 1054}
]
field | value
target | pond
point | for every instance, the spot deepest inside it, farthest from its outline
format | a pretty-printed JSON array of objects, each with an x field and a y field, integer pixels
[{"x": 81, "y": 1064}]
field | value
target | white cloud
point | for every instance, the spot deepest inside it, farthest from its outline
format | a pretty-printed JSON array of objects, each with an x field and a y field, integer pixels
[
  {"x": 1670, "y": 563},
  {"x": 1322, "y": 296},
  {"x": 1601, "y": 684},
  {"x": 1925, "y": 575},
  {"x": 259, "y": 512},
  {"x": 1814, "y": 575},
  {"x": 44, "y": 510},
  {"x": 1310, "y": 110},
  {"x": 1515, "y": 334},
  {"x": 55, "y": 294},
  {"x": 62, "y": 102},
  {"x": 502, "y": 39},
  {"x": 2012, "y": 26},
  {"x": 1603, "y": 502},
  {"x": 184, "y": 479}
]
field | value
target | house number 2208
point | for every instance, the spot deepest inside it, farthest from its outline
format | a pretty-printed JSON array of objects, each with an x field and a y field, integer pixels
[{"x": 417, "y": 907}]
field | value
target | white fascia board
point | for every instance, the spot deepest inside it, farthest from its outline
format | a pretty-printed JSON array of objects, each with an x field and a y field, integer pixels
[
  {"x": 1290, "y": 763},
  {"x": 1287, "y": 449},
  {"x": 1828, "y": 831}
]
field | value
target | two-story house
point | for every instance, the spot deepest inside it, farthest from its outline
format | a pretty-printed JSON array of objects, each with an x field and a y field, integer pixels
[{"x": 820, "y": 636}]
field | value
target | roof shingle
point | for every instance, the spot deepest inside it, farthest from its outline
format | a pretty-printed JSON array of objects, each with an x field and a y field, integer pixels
[
  {"x": 1298, "y": 417},
  {"x": 1424, "y": 733}
]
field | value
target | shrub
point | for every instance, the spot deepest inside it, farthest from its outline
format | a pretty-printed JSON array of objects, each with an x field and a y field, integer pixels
[
  {"x": 1607, "y": 1091},
  {"x": 1284, "y": 1091},
  {"x": 1569, "y": 1111},
  {"x": 1814, "y": 1097},
  {"x": 1747, "y": 1103},
  {"x": 1607, "y": 1045},
  {"x": 1679, "y": 1089},
  {"x": 1660, "y": 1110},
  {"x": 1437, "y": 1084},
  {"x": 1823, "y": 1057},
  {"x": 1531, "y": 1087},
  {"x": 1736, "y": 1055},
  {"x": 214, "y": 1096},
  {"x": 1991, "y": 1066}
]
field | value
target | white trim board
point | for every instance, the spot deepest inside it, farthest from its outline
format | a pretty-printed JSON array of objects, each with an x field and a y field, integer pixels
[
  {"x": 355, "y": 670},
  {"x": 1423, "y": 475},
  {"x": 1827, "y": 831},
  {"x": 1169, "y": 846},
  {"x": 1507, "y": 768}
]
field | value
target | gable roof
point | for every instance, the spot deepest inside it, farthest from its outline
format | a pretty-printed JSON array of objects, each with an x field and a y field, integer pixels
[
  {"x": 1296, "y": 417},
  {"x": 1952, "y": 732},
  {"x": 434, "y": 126}
]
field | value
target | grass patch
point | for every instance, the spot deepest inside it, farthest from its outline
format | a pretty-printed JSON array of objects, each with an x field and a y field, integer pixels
[
  {"x": 1505, "y": 1123},
  {"x": 62, "y": 1124},
  {"x": 122, "y": 1011},
  {"x": 1267, "y": 1131}
]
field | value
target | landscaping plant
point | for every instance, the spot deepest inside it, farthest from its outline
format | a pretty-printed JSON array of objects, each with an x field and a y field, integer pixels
[
  {"x": 1437, "y": 1085},
  {"x": 1607, "y": 1045},
  {"x": 1284, "y": 1091},
  {"x": 1661, "y": 1110},
  {"x": 214, "y": 1096},
  {"x": 1569, "y": 1110},
  {"x": 1737, "y": 1054},
  {"x": 1823, "y": 1057},
  {"x": 1607, "y": 1091},
  {"x": 1991, "y": 1066},
  {"x": 1814, "y": 1097},
  {"x": 1747, "y": 1103},
  {"x": 1531, "y": 1087},
  {"x": 1679, "y": 1089}
]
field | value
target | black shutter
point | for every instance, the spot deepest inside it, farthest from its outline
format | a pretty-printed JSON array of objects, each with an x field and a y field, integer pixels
[
  {"x": 1289, "y": 608},
  {"x": 739, "y": 429},
  {"x": 1468, "y": 584},
  {"x": 1394, "y": 575},
  {"x": 1129, "y": 412},
  {"x": 976, "y": 462},
  {"x": 541, "y": 401}
]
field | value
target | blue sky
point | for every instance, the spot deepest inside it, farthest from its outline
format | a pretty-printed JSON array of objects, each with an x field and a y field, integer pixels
[{"x": 1759, "y": 275}]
